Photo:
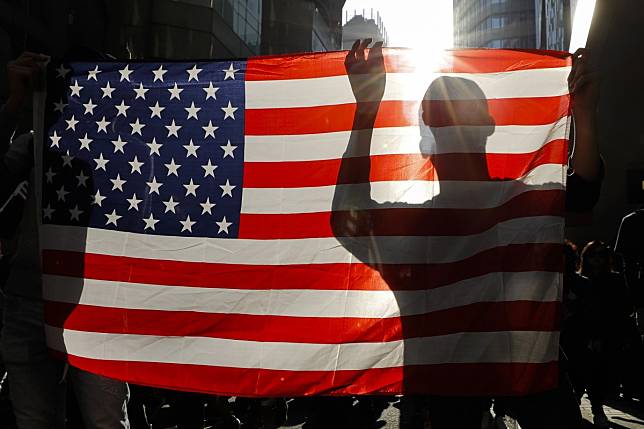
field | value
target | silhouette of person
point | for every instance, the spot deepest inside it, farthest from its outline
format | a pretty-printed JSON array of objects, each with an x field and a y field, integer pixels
[{"x": 371, "y": 230}]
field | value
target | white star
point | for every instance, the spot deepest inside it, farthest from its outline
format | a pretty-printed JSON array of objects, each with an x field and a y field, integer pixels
[
  {"x": 71, "y": 123},
  {"x": 112, "y": 218},
  {"x": 172, "y": 168},
  {"x": 227, "y": 189},
  {"x": 61, "y": 193},
  {"x": 118, "y": 183},
  {"x": 187, "y": 224},
  {"x": 137, "y": 127},
  {"x": 170, "y": 205},
  {"x": 48, "y": 211},
  {"x": 60, "y": 106},
  {"x": 150, "y": 222},
  {"x": 175, "y": 91},
  {"x": 82, "y": 179},
  {"x": 107, "y": 90},
  {"x": 101, "y": 162},
  {"x": 84, "y": 142},
  {"x": 154, "y": 186},
  {"x": 67, "y": 159},
  {"x": 136, "y": 165},
  {"x": 158, "y": 73},
  {"x": 119, "y": 144},
  {"x": 207, "y": 206},
  {"x": 209, "y": 130},
  {"x": 76, "y": 88},
  {"x": 229, "y": 111},
  {"x": 192, "y": 110},
  {"x": 211, "y": 91},
  {"x": 228, "y": 150},
  {"x": 91, "y": 74},
  {"x": 89, "y": 107},
  {"x": 172, "y": 129},
  {"x": 191, "y": 188},
  {"x": 140, "y": 91},
  {"x": 134, "y": 203},
  {"x": 191, "y": 149},
  {"x": 209, "y": 169},
  {"x": 125, "y": 74},
  {"x": 230, "y": 73},
  {"x": 75, "y": 213},
  {"x": 156, "y": 110},
  {"x": 154, "y": 146},
  {"x": 50, "y": 175},
  {"x": 98, "y": 198},
  {"x": 223, "y": 225},
  {"x": 55, "y": 139},
  {"x": 193, "y": 73},
  {"x": 102, "y": 125},
  {"x": 122, "y": 108},
  {"x": 62, "y": 71}
]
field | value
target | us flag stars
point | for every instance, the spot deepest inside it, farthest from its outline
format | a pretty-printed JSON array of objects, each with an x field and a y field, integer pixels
[{"x": 147, "y": 148}]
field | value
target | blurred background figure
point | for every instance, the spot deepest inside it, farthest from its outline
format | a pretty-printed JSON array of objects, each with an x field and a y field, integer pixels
[{"x": 606, "y": 309}]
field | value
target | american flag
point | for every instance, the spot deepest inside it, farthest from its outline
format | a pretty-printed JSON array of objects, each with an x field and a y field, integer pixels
[{"x": 187, "y": 239}]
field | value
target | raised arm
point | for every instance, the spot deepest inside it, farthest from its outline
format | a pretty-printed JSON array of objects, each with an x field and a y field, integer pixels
[
  {"x": 366, "y": 73},
  {"x": 16, "y": 160},
  {"x": 583, "y": 82}
]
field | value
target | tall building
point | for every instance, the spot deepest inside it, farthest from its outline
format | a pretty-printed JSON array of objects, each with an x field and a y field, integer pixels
[
  {"x": 171, "y": 29},
  {"x": 544, "y": 24},
  {"x": 359, "y": 26},
  {"x": 189, "y": 28},
  {"x": 301, "y": 26},
  {"x": 554, "y": 23}
]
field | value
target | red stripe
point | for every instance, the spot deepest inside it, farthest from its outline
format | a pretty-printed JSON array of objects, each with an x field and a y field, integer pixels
[
  {"x": 479, "y": 317},
  {"x": 495, "y": 379},
  {"x": 402, "y": 222},
  {"x": 400, "y": 167},
  {"x": 513, "y": 258},
  {"x": 305, "y": 66},
  {"x": 393, "y": 113}
]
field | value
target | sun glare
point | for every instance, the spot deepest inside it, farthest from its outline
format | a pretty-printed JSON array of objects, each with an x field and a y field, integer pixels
[{"x": 581, "y": 24}]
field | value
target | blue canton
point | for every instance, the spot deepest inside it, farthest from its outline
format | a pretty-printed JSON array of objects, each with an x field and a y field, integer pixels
[{"x": 147, "y": 148}]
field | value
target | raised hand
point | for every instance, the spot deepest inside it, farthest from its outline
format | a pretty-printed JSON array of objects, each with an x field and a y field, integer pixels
[
  {"x": 583, "y": 84},
  {"x": 24, "y": 75},
  {"x": 366, "y": 71}
]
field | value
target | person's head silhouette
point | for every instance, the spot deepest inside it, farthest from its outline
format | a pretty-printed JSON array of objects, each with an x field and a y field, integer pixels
[{"x": 455, "y": 119}]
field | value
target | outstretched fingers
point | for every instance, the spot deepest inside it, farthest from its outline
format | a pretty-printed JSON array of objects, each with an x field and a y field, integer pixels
[
  {"x": 351, "y": 55},
  {"x": 360, "y": 54}
]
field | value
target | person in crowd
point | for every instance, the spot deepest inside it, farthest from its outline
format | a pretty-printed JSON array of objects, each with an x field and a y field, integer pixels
[
  {"x": 37, "y": 381},
  {"x": 367, "y": 78},
  {"x": 606, "y": 310},
  {"x": 630, "y": 247},
  {"x": 575, "y": 288}
]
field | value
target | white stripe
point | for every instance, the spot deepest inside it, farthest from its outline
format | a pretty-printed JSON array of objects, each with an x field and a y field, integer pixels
[
  {"x": 524, "y": 346},
  {"x": 401, "y": 140},
  {"x": 547, "y": 82},
  {"x": 391, "y": 250},
  {"x": 494, "y": 287},
  {"x": 416, "y": 193}
]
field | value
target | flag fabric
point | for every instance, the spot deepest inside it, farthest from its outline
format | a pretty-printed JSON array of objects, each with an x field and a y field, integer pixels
[{"x": 187, "y": 239}]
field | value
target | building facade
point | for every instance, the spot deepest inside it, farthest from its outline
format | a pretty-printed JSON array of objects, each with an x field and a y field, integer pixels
[
  {"x": 554, "y": 23},
  {"x": 363, "y": 26},
  {"x": 301, "y": 26},
  {"x": 543, "y": 24}
]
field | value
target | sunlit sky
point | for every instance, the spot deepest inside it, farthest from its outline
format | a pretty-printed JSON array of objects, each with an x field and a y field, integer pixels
[
  {"x": 420, "y": 24},
  {"x": 428, "y": 24}
]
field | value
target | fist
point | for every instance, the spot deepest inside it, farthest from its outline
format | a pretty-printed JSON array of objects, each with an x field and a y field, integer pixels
[{"x": 24, "y": 75}]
